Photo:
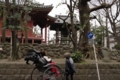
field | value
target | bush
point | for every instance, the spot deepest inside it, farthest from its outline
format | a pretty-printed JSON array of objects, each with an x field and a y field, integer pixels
[
  {"x": 0, "y": 56},
  {"x": 117, "y": 46},
  {"x": 77, "y": 56}
]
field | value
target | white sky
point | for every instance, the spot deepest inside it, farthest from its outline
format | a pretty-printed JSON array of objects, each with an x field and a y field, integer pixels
[{"x": 62, "y": 9}]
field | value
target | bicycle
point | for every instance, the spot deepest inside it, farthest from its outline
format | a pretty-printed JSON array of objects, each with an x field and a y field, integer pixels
[{"x": 48, "y": 70}]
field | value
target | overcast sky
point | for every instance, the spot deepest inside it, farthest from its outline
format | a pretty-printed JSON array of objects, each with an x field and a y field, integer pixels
[{"x": 62, "y": 9}]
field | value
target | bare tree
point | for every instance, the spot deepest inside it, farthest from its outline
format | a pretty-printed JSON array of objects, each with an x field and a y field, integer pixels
[
  {"x": 113, "y": 18},
  {"x": 85, "y": 10},
  {"x": 113, "y": 15},
  {"x": 72, "y": 30},
  {"x": 104, "y": 25},
  {"x": 84, "y": 15}
]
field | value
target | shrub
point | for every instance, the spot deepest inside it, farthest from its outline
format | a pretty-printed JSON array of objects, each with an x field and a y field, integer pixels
[
  {"x": 117, "y": 46},
  {"x": 0, "y": 56},
  {"x": 77, "y": 56}
]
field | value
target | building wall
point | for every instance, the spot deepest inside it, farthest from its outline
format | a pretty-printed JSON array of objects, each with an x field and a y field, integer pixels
[{"x": 31, "y": 35}]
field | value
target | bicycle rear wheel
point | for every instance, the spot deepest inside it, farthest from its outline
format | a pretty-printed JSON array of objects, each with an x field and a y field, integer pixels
[
  {"x": 36, "y": 74},
  {"x": 51, "y": 75}
]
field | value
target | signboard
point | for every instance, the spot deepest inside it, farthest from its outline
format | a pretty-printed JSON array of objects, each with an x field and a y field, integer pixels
[
  {"x": 91, "y": 38},
  {"x": 90, "y": 35}
]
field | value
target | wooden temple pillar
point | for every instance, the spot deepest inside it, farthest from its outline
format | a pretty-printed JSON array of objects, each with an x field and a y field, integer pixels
[
  {"x": 64, "y": 37},
  {"x": 22, "y": 40},
  {"x": 57, "y": 36},
  {"x": 45, "y": 34},
  {"x": 0, "y": 38},
  {"x": 32, "y": 41},
  {"x": 42, "y": 34}
]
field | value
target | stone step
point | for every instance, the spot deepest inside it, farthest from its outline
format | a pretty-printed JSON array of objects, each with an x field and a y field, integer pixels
[
  {"x": 79, "y": 71},
  {"x": 78, "y": 66},
  {"x": 76, "y": 77},
  {"x": 12, "y": 71}
]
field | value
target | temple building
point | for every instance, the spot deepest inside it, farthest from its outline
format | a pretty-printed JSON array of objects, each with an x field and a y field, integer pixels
[
  {"x": 61, "y": 31},
  {"x": 38, "y": 16}
]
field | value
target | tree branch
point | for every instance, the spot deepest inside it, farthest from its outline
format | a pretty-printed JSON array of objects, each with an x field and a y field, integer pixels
[
  {"x": 65, "y": 18},
  {"x": 67, "y": 27},
  {"x": 103, "y": 5},
  {"x": 69, "y": 33},
  {"x": 74, "y": 5},
  {"x": 103, "y": 27},
  {"x": 67, "y": 5},
  {"x": 100, "y": 7}
]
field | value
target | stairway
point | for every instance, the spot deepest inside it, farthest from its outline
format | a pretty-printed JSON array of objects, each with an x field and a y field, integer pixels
[{"x": 21, "y": 71}]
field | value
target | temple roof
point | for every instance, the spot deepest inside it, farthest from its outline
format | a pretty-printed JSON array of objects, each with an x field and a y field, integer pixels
[
  {"x": 39, "y": 14},
  {"x": 59, "y": 22}
]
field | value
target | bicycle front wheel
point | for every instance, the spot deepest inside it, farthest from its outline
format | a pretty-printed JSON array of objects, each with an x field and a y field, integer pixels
[
  {"x": 53, "y": 72},
  {"x": 36, "y": 74}
]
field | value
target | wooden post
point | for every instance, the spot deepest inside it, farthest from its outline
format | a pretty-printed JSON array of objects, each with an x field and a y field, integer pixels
[
  {"x": 41, "y": 33},
  {"x": 0, "y": 39},
  {"x": 22, "y": 40},
  {"x": 57, "y": 36},
  {"x": 32, "y": 41},
  {"x": 45, "y": 34}
]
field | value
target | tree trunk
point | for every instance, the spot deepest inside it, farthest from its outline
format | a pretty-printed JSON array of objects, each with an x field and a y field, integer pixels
[
  {"x": 103, "y": 39},
  {"x": 14, "y": 55},
  {"x": 3, "y": 36},
  {"x": 84, "y": 19},
  {"x": 26, "y": 36},
  {"x": 118, "y": 39},
  {"x": 74, "y": 32},
  {"x": 108, "y": 46},
  {"x": 4, "y": 23}
]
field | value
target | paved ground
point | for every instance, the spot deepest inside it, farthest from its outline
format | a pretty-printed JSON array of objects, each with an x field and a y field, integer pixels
[{"x": 62, "y": 61}]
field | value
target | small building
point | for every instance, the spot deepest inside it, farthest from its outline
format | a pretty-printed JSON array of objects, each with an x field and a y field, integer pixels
[
  {"x": 38, "y": 16},
  {"x": 61, "y": 36}
]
